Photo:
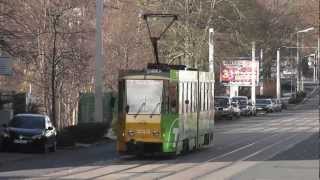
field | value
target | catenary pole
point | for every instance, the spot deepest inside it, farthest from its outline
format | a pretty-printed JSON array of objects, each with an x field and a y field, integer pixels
[
  {"x": 261, "y": 70},
  {"x": 297, "y": 64},
  {"x": 211, "y": 50},
  {"x": 278, "y": 76},
  {"x": 98, "y": 74},
  {"x": 253, "y": 75},
  {"x": 318, "y": 61}
]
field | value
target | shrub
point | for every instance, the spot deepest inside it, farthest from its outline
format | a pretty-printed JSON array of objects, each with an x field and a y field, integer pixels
[
  {"x": 82, "y": 133},
  {"x": 298, "y": 98}
]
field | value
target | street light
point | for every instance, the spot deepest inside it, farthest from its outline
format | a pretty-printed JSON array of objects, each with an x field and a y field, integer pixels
[{"x": 299, "y": 85}]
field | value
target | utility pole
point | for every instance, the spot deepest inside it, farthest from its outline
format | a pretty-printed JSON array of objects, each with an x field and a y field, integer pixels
[
  {"x": 211, "y": 50},
  {"x": 297, "y": 64},
  {"x": 261, "y": 69},
  {"x": 253, "y": 75},
  {"x": 299, "y": 74},
  {"x": 318, "y": 61},
  {"x": 278, "y": 76},
  {"x": 187, "y": 36},
  {"x": 98, "y": 74}
]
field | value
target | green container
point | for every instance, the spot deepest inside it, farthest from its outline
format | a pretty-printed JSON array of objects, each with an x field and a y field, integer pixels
[{"x": 87, "y": 107}]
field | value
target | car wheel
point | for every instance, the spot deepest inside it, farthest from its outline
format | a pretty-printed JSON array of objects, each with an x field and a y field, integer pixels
[
  {"x": 53, "y": 148},
  {"x": 43, "y": 148},
  {"x": 4, "y": 147}
]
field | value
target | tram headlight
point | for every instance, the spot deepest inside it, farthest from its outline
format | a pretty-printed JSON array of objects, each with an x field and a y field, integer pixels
[
  {"x": 131, "y": 132},
  {"x": 155, "y": 133}
]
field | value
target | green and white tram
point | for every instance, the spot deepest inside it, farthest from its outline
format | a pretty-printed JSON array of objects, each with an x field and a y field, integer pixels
[{"x": 168, "y": 111}]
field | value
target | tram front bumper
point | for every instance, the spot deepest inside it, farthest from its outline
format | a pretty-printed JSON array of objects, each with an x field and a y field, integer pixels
[{"x": 136, "y": 147}]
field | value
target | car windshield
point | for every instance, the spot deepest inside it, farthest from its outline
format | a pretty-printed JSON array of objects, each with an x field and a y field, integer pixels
[
  {"x": 144, "y": 96},
  {"x": 242, "y": 101},
  {"x": 223, "y": 102},
  {"x": 263, "y": 101},
  {"x": 27, "y": 122}
]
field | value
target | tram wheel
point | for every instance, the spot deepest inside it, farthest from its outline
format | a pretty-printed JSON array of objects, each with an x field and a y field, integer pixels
[
  {"x": 206, "y": 139},
  {"x": 185, "y": 146}
]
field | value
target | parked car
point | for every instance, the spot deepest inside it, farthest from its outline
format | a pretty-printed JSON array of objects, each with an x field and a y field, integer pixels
[
  {"x": 252, "y": 109},
  {"x": 243, "y": 104},
  {"x": 277, "y": 105},
  {"x": 29, "y": 131},
  {"x": 283, "y": 105},
  {"x": 224, "y": 107},
  {"x": 1, "y": 138},
  {"x": 264, "y": 105}
]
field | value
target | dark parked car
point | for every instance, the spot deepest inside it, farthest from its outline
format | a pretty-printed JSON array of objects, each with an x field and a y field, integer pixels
[
  {"x": 264, "y": 105},
  {"x": 29, "y": 131}
]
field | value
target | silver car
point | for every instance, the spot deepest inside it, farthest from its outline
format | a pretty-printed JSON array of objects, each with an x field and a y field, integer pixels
[
  {"x": 277, "y": 105},
  {"x": 225, "y": 108},
  {"x": 243, "y": 104}
]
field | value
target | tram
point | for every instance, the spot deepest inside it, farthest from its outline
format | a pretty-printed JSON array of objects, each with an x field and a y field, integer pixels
[{"x": 166, "y": 109}]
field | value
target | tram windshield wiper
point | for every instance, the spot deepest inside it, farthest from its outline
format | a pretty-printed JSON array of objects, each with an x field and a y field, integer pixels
[
  {"x": 155, "y": 108},
  {"x": 139, "y": 110}
]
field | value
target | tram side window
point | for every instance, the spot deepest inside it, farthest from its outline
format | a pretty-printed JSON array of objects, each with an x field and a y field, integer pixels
[
  {"x": 195, "y": 97},
  {"x": 173, "y": 104},
  {"x": 201, "y": 95},
  {"x": 189, "y": 96},
  {"x": 121, "y": 102},
  {"x": 181, "y": 98},
  {"x": 204, "y": 97},
  {"x": 208, "y": 95},
  {"x": 165, "y": 98},
  {"x": 185, "y": 97},
  {"x": 211, "y": 100}
]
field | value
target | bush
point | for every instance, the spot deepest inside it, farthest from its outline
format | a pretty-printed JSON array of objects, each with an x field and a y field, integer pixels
[
  {"x": 301, "y": 94},
  {"x": 299, "y": 98},
  {"x": 81, "y": 133}
]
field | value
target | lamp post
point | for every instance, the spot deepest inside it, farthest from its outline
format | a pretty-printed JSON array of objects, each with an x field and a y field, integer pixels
[
  {"x": 278, "y": 76},
  {"x": 298, "y": 74},
  {"x": 318, "y": 60},
  {"x": 98, "y": 73},
  {"x": 253, "y": 75}
]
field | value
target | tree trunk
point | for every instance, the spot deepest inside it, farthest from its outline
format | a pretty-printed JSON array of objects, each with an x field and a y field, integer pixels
[{"x": 53, "y": 73}]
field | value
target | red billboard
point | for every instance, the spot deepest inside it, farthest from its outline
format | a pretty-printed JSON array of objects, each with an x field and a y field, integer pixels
[{"x": 238, "y": 72}]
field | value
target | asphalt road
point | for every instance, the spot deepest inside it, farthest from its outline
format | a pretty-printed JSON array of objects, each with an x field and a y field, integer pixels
[{"x": 275, "y": 146}]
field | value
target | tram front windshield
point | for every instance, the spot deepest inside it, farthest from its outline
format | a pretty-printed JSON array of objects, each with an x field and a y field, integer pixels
[{"x": 144, "y": 96}]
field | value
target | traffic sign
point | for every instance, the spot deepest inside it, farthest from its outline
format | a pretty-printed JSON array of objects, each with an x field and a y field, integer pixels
[{"x": 5, "y": 66}]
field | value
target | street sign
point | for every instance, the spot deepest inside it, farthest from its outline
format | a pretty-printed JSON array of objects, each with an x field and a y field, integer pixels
[
  {"x": 238, "y": 72},
  {"x": 5, "y": 66}
]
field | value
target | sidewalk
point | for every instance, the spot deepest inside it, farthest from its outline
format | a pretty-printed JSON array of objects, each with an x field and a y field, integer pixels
[{"x": 282, "y": 170}]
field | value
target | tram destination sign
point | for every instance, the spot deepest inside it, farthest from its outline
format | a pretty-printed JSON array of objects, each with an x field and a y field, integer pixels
[
  {"x": 5, "y": 66},
  {"x": 238, "y": 72}
]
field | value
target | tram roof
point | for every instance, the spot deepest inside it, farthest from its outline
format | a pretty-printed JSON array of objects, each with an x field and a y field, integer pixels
[{"x": 169, "y": 72}]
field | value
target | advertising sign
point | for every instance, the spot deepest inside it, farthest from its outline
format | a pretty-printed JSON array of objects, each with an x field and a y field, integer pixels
[
  {"x": 5, "y": 66},
  {"x": 238, "y": 72}
]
